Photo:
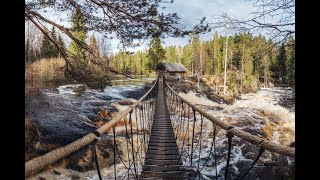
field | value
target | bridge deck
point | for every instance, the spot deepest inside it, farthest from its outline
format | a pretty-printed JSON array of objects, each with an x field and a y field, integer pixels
[{"x": 162, "y": 158}]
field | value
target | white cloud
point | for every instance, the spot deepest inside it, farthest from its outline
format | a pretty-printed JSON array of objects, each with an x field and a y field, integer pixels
[{"x": 190, "y": 11}]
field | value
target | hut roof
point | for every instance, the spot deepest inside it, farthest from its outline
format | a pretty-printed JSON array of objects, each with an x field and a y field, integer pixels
[{"x": 174, "y": 67}]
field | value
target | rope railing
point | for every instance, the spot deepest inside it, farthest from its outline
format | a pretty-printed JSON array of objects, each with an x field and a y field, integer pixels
[
  {"x": 136, "y": 138},
  {"x": 188, "y": 121}
]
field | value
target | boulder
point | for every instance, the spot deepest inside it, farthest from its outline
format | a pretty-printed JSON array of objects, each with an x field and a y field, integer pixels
[{"x": 125, "y": 102}]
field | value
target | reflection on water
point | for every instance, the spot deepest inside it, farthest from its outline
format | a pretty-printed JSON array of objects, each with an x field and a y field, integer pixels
[
  {"x": 45, "y": 84},
  {"x": 136, "y": 80},
  {"x": 126, "y": 82},
  {"x": 116, "y": 80}
]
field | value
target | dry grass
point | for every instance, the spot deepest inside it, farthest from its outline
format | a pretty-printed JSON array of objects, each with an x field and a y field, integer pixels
[
  {"x": 268, "y": 129},
  {"x": 31, "y": 91},
  {"x": 45, "y": 70}
]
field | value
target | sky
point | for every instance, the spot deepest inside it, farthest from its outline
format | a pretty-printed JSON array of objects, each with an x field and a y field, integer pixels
[{"x": 190, "y": 12}]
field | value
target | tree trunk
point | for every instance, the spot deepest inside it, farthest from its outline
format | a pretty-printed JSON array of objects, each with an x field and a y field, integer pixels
[
  {"x": 242, "y": 66},
  {"x": 225, "y": 67},
  {"x": 231, "y": 56},
  {"x": 199, "y": 73},
  {"x": 201, "y": 70},
  {"x": 141, "y": 65},
  {"x": 266, "y": 71},
  {"x": 214, "y": 57}
]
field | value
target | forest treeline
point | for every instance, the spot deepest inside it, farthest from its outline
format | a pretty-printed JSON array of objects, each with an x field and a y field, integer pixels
[
  {"x": 249, "y": 55},
  {"x": 252, "y": 56},
  {"x": 87, "y": 58}
]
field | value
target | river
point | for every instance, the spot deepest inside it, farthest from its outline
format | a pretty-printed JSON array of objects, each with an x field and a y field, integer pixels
[
  {"x": 268, "y": 113},
  {"x": 67, "y": 112},
  {"x": 67, "y": 115}
]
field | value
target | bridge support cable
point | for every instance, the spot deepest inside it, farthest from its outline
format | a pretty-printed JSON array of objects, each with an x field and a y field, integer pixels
[
  {"x": 132, "y": 148},
  {"x": 96, "y": 158},
  {"x": 198, "y": 169},
  {"x": 182, "y": 115},
  {"x": 215, "y": 151},
  {"x": 230, "y": 136},
  {"x": 190, "y": 138},
  {"x": 138, "y": 117},
  {"x": 114, "y": 152},
  {"x": 257, "y": 158}
]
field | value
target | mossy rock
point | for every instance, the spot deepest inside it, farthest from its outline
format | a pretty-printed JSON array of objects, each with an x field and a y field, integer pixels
[{"x": 80, "y": 90}]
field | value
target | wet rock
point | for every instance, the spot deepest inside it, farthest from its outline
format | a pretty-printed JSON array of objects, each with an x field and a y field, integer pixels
[
  {"x": 270, "y": 116},
  {"x": 135, "y": 93},
  {"x": 293, "y": 144},
  {"x": 97, "y": 103},
  {"x": 252, "y": 131},
  {"x": 104, "y": 97},
  {"x": 33, "y": 134},
  {"x": 183, "y": 86},
  {"x": 215, "y": 108},
  {"x": 125, "y": 102},
  {"x": 287, "y": 135},
  {"x": 210, "y": 134},
  {"x": 79, "y": 90},
  {"x": 240, "y": 122},
  {"x": 31, "y": 91},
  {"x": 42, "y": 148},
  {"x": 56, "y": 172},
  {"x": 105, "y": 115},
  {"x": 267, "y": 130},
  {"x": 83, "y": 160},
  {"x": 215, "y": 98},
  {"x": 270, "y": 84}
]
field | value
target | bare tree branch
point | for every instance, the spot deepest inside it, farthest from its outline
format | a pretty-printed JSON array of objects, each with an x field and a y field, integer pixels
[{"x": 275, "y": 18}]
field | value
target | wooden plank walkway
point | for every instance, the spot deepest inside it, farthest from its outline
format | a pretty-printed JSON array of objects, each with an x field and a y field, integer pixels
[{"x": 162, "y": 158}]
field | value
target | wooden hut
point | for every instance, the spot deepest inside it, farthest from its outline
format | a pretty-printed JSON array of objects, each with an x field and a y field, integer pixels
[{"x": 171, "y": 69}]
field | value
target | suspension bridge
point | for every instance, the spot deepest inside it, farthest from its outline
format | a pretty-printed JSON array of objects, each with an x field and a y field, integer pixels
[{"x": 165, "y": 142}]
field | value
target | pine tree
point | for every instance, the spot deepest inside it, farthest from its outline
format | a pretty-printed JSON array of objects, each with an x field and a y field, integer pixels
[
  {"x": 46, "y": 48},
  {"x": 290, "y": 62},
  {"x": 171, "y": 54},
  {"x": 61, "y": 43},
  {"x": 281, "y": 63},
  {"x": 196, "y": 59},
  {"x": 216, "y": 54},
  {"x": 187, "y": 56},
  {"x": 225, "y": 65},
  {"x": 207, "y": 57},
  {"x": 94, "y": 46},
  {"x": 26, "y": 51},
  {"x": 231, "y": 50},
  {"x": 53, "y": 33},
  {"x": 179, "y": 53},
  {"x": 79, "y": 31},
  {"x": 156, "y": 53},
  {"x": 54, "y": 50}
]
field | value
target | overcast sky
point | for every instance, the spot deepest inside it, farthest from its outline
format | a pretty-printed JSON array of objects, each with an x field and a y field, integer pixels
[{"x": 190, "y": 12}]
